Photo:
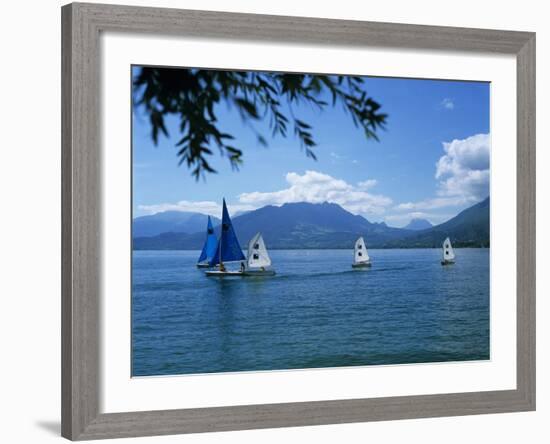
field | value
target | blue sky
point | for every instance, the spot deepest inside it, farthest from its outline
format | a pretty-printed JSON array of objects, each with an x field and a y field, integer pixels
[{"x": 432, "y": 159}]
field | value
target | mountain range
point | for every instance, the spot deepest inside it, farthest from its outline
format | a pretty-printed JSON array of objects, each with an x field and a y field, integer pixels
[
  {"x": 418, "y": 224},
  {"x": 170, "y": 221},
  {"x": 307, "y": 225},
  {"x": 469, "y": 228}
]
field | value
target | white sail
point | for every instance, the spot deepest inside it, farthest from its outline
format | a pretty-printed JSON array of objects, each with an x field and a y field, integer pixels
[
  {"x": 361, "y": 254},
  {"x": 257, "y": 253},
  {"x": 448, "y": 253}
]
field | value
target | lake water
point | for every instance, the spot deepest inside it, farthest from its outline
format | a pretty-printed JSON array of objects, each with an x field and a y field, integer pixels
[{"x": 316, "y": 312}]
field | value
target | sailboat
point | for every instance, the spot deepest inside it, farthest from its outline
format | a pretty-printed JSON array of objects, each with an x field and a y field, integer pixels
[
  {"x": 227, "y": 250},
  {"x": 361, "y": 256},
  {"x": 258, "y": 262},
  {"x": 209, "y": 247},
  {"x": 448, "y": 253}
]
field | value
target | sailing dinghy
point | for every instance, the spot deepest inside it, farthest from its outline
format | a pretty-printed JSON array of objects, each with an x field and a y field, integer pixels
[
  {"x": 448, "y": 253},
  {"x": 227, "y": 250},
  {"x": 361, "y": 256},
  {"x": 258, "y": 262},
  {"x": 209, "y": 247}
]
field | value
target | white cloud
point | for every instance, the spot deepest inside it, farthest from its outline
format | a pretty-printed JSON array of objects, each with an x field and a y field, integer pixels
[
  {"x": 367, "y": 184},
  {"x": 463, "y": 174},
  {"x": 406, "y": 216},
  {"x": 316, "y": 187},
  {"x": 448, "y": 104},
  {"x": 464, "y": 169},
  {"x": 312, "y": 187},
  {"x": 400, "y": 220},
  {"x": 433, "y": 204}
]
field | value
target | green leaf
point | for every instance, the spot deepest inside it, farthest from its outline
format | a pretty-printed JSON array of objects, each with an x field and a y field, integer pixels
[
  {"x": 302, "y": 124},
  {"x": 247, "y": 106},
  {"x": 191, "y": 96}
]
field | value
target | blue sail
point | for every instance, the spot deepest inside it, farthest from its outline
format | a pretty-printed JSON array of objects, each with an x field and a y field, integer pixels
[
  {"x": 210, "y": 243},
  {"x": 228, "y": 248}
]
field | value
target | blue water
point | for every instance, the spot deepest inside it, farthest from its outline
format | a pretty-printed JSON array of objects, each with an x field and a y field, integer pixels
[{"x": 316, "y": 312}]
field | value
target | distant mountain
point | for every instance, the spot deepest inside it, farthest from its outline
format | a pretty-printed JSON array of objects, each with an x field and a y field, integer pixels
[
  {"x": 292, "y": 225},
  {"x": 418, "y": 224},
  {"x": 469, "y": 228},
  {"x": 170, "y": 221},
  {"x": 328, "y": 225},
  {"x": 240, "y": 213},
  {"x": 307, "y": 225},
  {"x": 169, "y": 241}
]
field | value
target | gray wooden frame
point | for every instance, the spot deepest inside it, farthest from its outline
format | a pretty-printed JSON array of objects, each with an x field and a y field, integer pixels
[{"x": 81, "y": 233}]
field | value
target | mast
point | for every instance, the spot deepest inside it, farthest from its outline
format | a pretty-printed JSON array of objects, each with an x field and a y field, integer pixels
[
  {"x": 228, "y": 248},
  {"x": 220, "y": 242},
  {"x": 224, "y": 222}
]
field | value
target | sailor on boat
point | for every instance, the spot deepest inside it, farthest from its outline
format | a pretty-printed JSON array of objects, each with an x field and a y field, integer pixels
[
  {"x": 361, "y": 256},
  {"x": 448, "y": 253}
]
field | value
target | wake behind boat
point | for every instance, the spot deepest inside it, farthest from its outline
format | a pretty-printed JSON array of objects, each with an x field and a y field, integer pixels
[
  {"x": 209, "y": 247},
  {"x": 448, "y": 253},
  {"x": 361, "y": 256}
]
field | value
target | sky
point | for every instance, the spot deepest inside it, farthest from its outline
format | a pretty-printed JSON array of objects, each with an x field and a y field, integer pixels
[{"x": 431, "y": 162}]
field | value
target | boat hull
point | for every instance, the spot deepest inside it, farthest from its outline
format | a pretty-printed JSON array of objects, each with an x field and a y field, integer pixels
[
  {"x": 361, "y": 265},
  {"x": 259, "y": 273},
  {"x": 447, "y": 262},
  {"x": 218, "y": 273}
]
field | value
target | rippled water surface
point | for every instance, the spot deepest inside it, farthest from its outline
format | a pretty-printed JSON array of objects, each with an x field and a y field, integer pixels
[{"x": 316, "y": 312}]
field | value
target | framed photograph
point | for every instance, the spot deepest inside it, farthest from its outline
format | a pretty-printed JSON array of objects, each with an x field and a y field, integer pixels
[{"x": 278, "y": 221}]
